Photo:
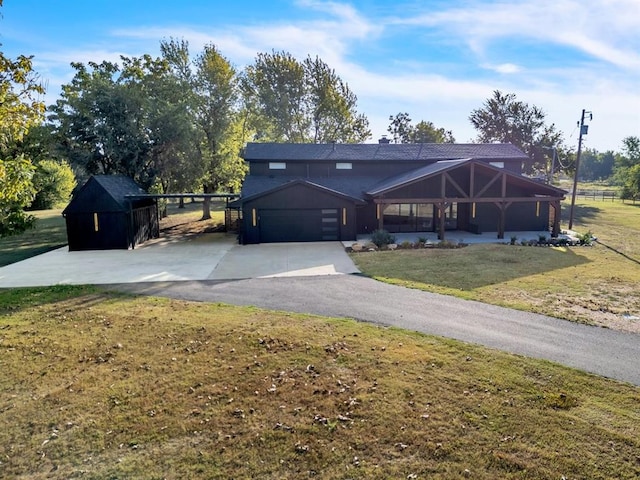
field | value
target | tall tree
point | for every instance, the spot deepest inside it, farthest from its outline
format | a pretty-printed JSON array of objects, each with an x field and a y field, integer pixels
[
  {"x": 300, "y": 102},
  {"x": 100, "y": 122},
  {"x": 334, "y": 116},
  {"x": 20, "y": 109},
  {"x": 211, "y": 86},
  {"x": 505, "y": 119},
  {"x": 132, "y": 119},
  {"x": 403, "y": 131},
  {"x": 276, "y": 81}
]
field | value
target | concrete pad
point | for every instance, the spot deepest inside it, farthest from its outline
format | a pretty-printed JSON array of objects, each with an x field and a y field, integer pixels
[
  {"x": 191, "y": 258},
  {"x": 202, "y": 257},
  {"x": 284, "y": 260}
]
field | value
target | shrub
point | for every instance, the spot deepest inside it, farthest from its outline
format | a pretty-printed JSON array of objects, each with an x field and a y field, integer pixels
[
  {"x": 423, "y": 239},
  {"x": 514, "y": 239},
  {"x": 381, "y": 238},
  {"x": 406, "y": 244},
  {"x": 586, "y": 238}
]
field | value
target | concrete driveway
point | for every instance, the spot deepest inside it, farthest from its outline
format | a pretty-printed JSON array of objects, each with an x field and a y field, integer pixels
[{"x": 203, "y": 257}]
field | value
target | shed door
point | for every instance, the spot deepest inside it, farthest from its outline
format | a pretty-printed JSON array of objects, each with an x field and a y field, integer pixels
[{"x": 299, "y": 225}]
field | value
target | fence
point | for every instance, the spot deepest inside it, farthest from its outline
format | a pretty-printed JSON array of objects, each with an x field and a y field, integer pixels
[{"x": 603, "y": 195}]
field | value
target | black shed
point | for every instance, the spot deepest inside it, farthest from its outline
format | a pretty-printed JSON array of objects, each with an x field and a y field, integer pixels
[{"x": 104, "y": 215}]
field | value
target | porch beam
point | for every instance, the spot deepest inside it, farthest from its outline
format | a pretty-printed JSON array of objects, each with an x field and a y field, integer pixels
[
  {"x": 384, "y": 201},
  {"x": 491, "y": 182},
  {"x": 455, "y": 184}
]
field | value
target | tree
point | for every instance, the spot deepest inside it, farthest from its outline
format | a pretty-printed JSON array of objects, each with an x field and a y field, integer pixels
[
  {"x": 100, "y": 123},
  {"x": 631, "y": 186},
  {"x": 629, "y": 158},
  {"x": 595, "y": 165},
  {"x": 333, "y": 106},
  {"x": 211, "y": 86},
  {"x": 53, "y": 182},
  {"x": 300, "y": 102},
  {"x": 276, "y": 82},
  {"x": 505, "y": 119},
  {"x": 20, "y": 109},
  {"x": 423, "y": 132},
  {"x": 134, "y": 119}
]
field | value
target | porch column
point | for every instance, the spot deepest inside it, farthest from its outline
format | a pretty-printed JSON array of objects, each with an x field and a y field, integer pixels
[
  {"x": 502, "y": 207},
  {"x": 442, "y": 207},
  {"x": 380, "y": 213},
  {"x": 555, "y": 229}
]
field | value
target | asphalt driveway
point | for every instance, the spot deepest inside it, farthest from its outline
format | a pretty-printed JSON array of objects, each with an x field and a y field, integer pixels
[{"x": 597, "y": 350}]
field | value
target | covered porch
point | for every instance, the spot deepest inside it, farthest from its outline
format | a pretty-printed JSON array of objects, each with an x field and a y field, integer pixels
[{"x": 469, "y": 196}]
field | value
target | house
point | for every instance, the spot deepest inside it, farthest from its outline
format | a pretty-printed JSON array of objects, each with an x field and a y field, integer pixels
[
  {"x": 110, "y": 212},
  {"x": 315, "y": 192}
]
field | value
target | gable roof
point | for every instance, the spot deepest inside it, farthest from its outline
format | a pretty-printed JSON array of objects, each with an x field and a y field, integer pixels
[
  {"x": 104, "y": 193},
  {"x": 433, "y": 169},
  {"x": 265, "y": 185},
  {"x": 380, "y": 152},
  {"x": 414, "y": 175}
]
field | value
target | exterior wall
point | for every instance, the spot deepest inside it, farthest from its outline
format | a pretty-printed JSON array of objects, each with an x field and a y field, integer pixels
[
  {"x": 367, "y": 218},
  {"x": 111, "y": 232},
  {"x": 302, "y": 198},
  {"x": 519, "y": 217},
  {"x": 326, "y": 168}
]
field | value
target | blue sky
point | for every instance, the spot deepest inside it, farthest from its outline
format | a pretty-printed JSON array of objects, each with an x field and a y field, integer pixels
[{"x": 435, "y": 59}]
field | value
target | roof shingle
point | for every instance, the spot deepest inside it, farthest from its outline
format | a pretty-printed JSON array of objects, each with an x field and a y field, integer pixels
[{"x": 380, "y": 152}]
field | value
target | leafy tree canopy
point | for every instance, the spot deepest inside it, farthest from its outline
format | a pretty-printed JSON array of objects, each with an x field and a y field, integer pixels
[
  {"x": 301, "y": 102},
  {"x": 505, "y": 119},
  {"x": 127, "y": 119},
  {"x": 403, "y": 131},
  {"x": 20, "y": 109}
]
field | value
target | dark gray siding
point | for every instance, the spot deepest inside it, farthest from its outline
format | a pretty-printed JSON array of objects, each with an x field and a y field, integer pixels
[{"x": 298, "y": 213}]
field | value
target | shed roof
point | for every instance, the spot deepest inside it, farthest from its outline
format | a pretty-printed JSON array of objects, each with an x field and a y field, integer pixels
[
  {"x": 380, "y": 152},
  {"x": 104, "y": 193}
]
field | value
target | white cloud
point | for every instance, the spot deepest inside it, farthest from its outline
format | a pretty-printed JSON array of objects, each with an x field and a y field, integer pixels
[
  {"x": 604, "y": 29},
  {"x": 504, "y": 68},
  {"x": 604, "y": 80}
]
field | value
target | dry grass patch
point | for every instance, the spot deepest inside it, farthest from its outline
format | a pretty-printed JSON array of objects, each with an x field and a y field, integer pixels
[{"x": 106, "y": 386}]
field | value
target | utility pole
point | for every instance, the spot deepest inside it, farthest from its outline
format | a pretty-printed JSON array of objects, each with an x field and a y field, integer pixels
[{"x": 584, "y": 129}]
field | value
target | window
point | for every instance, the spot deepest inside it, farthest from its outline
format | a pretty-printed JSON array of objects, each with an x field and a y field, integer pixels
[
  {"x": 497, "y": 164},
  {"x": 277, "y": 166},
  {"x": 344, "y": 166}
]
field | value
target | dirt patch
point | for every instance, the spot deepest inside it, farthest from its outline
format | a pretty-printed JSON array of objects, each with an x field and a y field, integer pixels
[{"x": 171, "y": 227}]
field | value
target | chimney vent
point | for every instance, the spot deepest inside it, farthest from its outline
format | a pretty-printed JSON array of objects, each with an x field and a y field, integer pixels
[{"x": 384, "y": 139}]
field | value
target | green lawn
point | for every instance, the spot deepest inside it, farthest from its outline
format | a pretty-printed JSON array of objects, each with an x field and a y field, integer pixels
[
  {"x": 103, "y": 386},
  {"x": 50, "y": 233},
  {"x": 594, "y": 285}
]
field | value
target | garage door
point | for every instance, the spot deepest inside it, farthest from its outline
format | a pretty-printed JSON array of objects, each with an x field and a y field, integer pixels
[{"x": 299, "y": 225}]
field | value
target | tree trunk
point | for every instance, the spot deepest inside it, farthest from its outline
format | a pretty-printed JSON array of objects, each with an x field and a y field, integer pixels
[{"x": 206, "y": 209}]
